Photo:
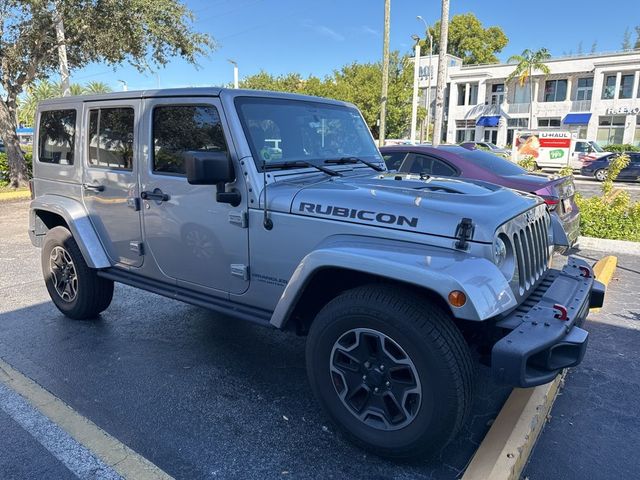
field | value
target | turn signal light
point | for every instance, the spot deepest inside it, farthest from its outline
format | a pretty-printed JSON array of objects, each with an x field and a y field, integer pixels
[
  {"x": 457, "y": 298},
  {"x": 552, "y": 202}
]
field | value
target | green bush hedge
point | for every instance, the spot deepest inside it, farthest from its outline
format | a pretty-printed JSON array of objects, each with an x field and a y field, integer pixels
[
  {"x": 621, "y": 147},
  {"x": 612, "y": 215},
  {"x": 4, "y": 167}
]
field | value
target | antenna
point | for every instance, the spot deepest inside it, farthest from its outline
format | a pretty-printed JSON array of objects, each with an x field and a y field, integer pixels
[{"x": 267, "y": 222}]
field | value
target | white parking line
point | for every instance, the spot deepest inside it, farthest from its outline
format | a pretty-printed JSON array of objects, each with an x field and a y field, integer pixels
[{"x": 82, "y": 446}]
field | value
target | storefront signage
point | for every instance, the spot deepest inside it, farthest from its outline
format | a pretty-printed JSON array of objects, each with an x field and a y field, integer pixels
[{"x": 623, "y": 111}]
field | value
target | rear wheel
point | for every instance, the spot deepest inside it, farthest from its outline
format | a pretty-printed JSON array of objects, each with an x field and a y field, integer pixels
[
  {"x": 391, "y": 369},
  {"x": 74, "y": 288},
  {"x": 601, "y": 175}
]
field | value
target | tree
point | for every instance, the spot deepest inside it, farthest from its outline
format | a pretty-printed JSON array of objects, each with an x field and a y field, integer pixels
[
  {"x": 44, "y": 89},
  {"x": 637, "y": 44},
  {"x": 594, "y": 46},
  {"x": 469, "y": 40},
  {"x": 138, "y": 32},
  {"x": 443, "y": 39},
  {"x": 358, "y": 83},
  {"x": 626, "y": 39},
  {"x": 527, "y": 63},
  {"x": 384, "y": 90}
]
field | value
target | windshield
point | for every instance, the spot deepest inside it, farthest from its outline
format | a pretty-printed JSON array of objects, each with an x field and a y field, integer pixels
[
  {"x": 491, "y": 161},
  {"x": 283, "y": 130},
  {"x": 596, "y": 147},
  {"x": 492, "y": 146}
]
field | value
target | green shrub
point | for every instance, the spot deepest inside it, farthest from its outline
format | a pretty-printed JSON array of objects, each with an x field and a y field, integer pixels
[
  {"x": 4, "y": 167},
  {"x": 621, "y": 147},
  {"x": 612, "y": 215},
  {"x": 528, "y": 163},
  {"x": 566, "y": 171}
]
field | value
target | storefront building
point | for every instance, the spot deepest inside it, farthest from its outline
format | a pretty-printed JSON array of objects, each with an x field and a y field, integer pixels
[{"x": 596, "y": 96}]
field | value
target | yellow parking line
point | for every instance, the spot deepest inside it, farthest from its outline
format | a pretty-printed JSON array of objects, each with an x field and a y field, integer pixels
[
  {"x": 116, "y": 455},
  {"x": 603, "y": 270}
]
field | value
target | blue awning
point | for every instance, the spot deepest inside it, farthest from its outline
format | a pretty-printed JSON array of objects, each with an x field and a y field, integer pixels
[
  {"x": 488, "y": 121},
  {"x": 577, "y": 119}
]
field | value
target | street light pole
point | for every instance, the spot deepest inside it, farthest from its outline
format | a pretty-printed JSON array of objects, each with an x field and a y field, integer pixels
[
  {"x": 430, "y": 74},
  {"x": 235, "y": 72},
  {"x": 416, "y": 79}
]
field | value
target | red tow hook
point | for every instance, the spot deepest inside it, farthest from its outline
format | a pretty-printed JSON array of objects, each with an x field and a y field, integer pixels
[
  {"x": 562, "y": 312},
  {"x": 585, "y": 271}
]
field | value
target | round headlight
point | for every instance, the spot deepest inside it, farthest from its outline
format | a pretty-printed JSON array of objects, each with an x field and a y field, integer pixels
[{"x": 499, "y": 252}]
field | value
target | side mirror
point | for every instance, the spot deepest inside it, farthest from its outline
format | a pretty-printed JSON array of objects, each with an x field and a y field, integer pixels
[
  {"x": 208, "y": 168},
  {"x": 212, "y": 168}
]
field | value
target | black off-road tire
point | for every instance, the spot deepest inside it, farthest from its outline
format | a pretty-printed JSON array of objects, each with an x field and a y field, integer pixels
[
  {"x": 93, "y": 293},
  {"x": 432, "y": 342}
]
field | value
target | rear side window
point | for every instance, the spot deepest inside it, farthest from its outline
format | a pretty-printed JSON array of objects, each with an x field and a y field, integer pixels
[
  {"x": 57, "y": 136},
  {"x": 111, "y": 138},
  {"x": 184, "y": 128}
]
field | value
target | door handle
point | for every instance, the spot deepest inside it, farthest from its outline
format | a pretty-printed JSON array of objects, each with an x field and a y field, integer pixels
[
  {"x": 156, "y": 195},
  {"x": 92, "y": 187}
]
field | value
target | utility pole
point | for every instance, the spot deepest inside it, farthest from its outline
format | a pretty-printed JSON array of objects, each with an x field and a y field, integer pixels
[
  {"x": 235, "y": 72},
  {"x": 442, "y": 69},
  {"x": 416, "y": 80},
  {"x": 62, "y": 52},
  {"x": 385, "y": 73}
]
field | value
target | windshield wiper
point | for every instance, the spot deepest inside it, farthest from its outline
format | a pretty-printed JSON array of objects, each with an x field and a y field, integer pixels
[
  {"x": 343, "y": 160},
  {"x": 298, "y": 164}
]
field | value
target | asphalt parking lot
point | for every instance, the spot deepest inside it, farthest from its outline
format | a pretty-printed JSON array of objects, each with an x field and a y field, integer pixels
[
  {"x": 199, "y": 395},
  {"x": 590, "y": 187}
]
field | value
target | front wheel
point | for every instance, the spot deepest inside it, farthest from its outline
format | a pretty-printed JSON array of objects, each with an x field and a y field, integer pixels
[
  {"x": 391, "y": 369},
  {"x": 74, "y": 288},
  {"x": 601, "y": 175}
]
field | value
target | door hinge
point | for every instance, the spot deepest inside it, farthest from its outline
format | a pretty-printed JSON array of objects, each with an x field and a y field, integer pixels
[
  {"x": 133, "y": 203},
  {"x": 239, "y": 218},
  {"x": 137, "y": 247},
  {"x": 240, "y": 270}
]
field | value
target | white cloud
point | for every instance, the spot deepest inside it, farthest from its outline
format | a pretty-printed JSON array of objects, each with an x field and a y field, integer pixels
[
  {"x": 369, "y": 31},
  {"x": 325, "y": 31}
]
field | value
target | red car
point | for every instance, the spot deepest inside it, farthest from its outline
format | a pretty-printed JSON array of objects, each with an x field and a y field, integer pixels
[{"x": 456, "y": 161}]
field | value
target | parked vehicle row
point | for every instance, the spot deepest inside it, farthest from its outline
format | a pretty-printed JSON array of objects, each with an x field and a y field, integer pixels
[
  {"x": 278, "y": 209},
  {"x": 598, "y": 167}
]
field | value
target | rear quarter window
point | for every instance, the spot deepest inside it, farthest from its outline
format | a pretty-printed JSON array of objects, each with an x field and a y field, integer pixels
[{"x": 57, "y": 136}]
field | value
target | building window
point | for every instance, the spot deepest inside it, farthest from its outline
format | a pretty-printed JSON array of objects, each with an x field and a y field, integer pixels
[
  {"x": 609, "y": 87},
  {"x": 473, "y": 94},
  {"x": 548, "y": 122},
  {"x": 56, "y": 136},
  {"x": 555, "y": 90},
  {"x": 111, "y": 138},
  {"x": 521, "y": 93},
  {"x": 497, "y": 94},
  {"x": 611, "y": 129},
  {"x": 585, "y": 89},
  {"x": 462, "y": 89},
  {"x": 626, "y": 86},
  {"x": 465, "y": 130},
  {"x": 514, "y": 124}
]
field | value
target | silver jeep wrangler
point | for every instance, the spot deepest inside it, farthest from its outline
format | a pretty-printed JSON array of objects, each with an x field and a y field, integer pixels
[{"x": 277, "y": 209}]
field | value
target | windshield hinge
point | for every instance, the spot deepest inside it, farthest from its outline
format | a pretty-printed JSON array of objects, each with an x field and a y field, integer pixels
[
  {"x": 240, "y": 270},
  {"x": 239, "y": 218},
  {"x": 464, "y": 232}
]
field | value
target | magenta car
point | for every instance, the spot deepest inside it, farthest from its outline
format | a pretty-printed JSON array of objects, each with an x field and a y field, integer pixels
[{"x": 456, "y": 161}]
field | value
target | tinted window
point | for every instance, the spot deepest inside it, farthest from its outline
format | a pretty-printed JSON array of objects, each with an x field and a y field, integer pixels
[
  {"x": 431, "y": 166},
  {"x": 294, "y": 130},
  {"x": 56, "y": 136},
  {"x": 184, "y": 128},
  {"x": 393, "y": 160},
  {"x": 491, "y": 161},
  {"x": 111, "y": 138}
]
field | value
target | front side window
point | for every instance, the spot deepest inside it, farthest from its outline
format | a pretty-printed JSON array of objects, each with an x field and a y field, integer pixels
[
  {"x": 111, "y": 138},
  {"x": 178, "y": 129},
  {"x": 555, "y": 90},
  {"x": 626, "y": 86},
  {"x": 393, "y": 160},
  {"x": 56, "y": 136},
  {"x": 303, "y": 131},
  {"x": 609, "y": 87},
  {"x": 423, "y": 164}
]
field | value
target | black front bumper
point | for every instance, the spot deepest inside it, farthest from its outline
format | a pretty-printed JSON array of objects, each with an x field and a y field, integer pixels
[{"x": 545, "y": 335}]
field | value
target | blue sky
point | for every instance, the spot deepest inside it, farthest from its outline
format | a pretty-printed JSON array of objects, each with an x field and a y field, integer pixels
[{"x": 316, "y": 37}]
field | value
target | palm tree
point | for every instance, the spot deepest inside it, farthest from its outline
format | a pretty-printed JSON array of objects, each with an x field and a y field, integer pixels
[
  {"x": 96, "y": 87},
  {"x": 527, "y": 63}
]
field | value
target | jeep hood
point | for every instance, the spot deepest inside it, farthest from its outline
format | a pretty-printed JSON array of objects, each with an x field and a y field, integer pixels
[{"x": 402, "y": 201}]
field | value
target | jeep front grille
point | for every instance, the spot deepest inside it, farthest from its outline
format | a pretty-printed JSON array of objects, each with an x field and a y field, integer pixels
[
  {"x": 531, "y": 245},
  {"x": 528, "y": 234}
]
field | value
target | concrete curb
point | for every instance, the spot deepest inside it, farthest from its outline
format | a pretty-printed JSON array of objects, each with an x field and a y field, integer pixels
[
  {"x": 607, "y": 245},
  {"x": 505, "y": 450}
]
